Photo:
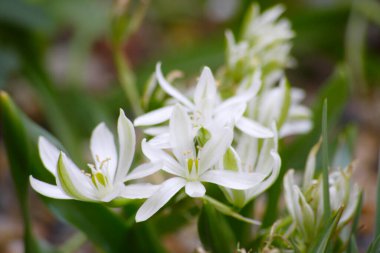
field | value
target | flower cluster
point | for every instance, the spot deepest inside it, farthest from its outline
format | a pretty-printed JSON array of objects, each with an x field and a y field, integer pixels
[
  {"x": 226, "y": 132},
  {"x": 305, "y": 204},
  {"x": 210, "y": 137}
]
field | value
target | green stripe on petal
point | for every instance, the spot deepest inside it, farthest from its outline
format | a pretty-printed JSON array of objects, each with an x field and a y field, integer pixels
[
  {"x": 286, "y": 102},
  {"x": 65, "y": 180}
]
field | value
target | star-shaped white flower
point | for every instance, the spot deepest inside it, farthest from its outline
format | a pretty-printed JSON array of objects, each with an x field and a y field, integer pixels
[
  {"x": 105, "y": 180},
  {"x": 206, "y": 109},
  {"x": 194, "y": 157}
]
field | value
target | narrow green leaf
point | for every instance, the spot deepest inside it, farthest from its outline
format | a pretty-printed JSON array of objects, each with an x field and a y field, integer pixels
[
  {"x": 358, "y": 211},
  {"x": 100, "y": 225},
  {"x": 352, "y": 246},
  {"x": 377, "y": 222},
  {"x": 214, "y": 232},
  {"x": 322, "y": 242},
  {"x": 286, "y": 102},
  {"x": 226, "y": 210},
  {"x": 375, "y": 246},
  {"x": 369, "y": 9},
  {"x": 325, "y": 158},
  {"x": 16, "y": 144}
]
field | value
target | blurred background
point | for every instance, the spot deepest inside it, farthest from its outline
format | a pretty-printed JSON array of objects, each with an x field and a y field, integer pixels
[{"x": 60, "y": 62}]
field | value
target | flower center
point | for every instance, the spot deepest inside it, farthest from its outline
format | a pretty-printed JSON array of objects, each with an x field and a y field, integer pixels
[
  {"x": 192, "y": 168},
  {"x": 99, "y": 172}
]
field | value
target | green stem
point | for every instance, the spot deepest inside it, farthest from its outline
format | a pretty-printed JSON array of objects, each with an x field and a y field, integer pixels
[
  {"x": 355, "y": 47},
  {"x": 226, "y": 210},
  {"x": 325, "y": 161},
  {"x": 128, "y": 81}
]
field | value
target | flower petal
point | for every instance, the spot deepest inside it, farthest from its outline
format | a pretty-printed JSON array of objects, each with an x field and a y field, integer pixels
[
  {"x": 231, "y": 113},
  {"x": 206, "y": 87},
  {"x": 253, "y": 128},
  {"x": 154, "y": 117},
  {"x": 233, "y": 180},
  {"x": 195, "y": 189},
  {"x": 139, "y": 191},
  {"x": 161, "y": 141},
  {"x": 102, "y": 145},
  {"x": 181, "y": 137},
  {"x": 165, "y": 85},
  {"x": 48, "y": 190},
  {"x": 127, "y": 143},
  {"x": 143, "y": 170},
  {"x": 72, "y": 180},
  {"x": 49, "y": 154},
  {"x": 264, "y": 185},
  {"x": 310, "y": 165},
  {"x": 214, "y": 148},
  {"x": 157, "y": 155},
  {"x": 295, "y": 127},
  {"x": 157, "y": 130},
  {"x": 291, "y": 196},
  {"x": 166, "y": 191}
]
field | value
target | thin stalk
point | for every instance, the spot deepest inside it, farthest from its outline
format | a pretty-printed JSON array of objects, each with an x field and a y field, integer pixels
[
  {"x": 325, "y": 163},
  {"x": 377, "y": 222},
  {"x": 128, "y": 81},
  {"x": 355, "y": 47},
  {"x": 226, "y": 210}
]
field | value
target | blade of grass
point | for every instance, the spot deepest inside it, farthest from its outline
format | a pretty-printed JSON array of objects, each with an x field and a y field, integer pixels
[
  {"x": 352, "y": 243},
  {"x": 325, "y": 160},
  {"x": 377, "y": 222},
  {"x": 322, "y": 242}
]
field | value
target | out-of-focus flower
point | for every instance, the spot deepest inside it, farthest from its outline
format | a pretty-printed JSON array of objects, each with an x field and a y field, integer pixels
[
  {"x": 264, "y": 42},
  {"x": 281, "y": 104},
  {"x": 194, "y": 154},
  {"x": 306, "y": 205},
  {"x": 105, "y": 180},
  {"x": 252, "y": 155},
  {"x": 207, "y": 110}
]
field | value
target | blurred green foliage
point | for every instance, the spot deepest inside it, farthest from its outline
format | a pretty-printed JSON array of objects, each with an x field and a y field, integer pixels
[{"x": 333, "y": 46}]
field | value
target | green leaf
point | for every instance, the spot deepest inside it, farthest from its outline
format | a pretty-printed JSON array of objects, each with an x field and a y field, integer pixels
[
  {"x": 322, "y": 242},
  {"x": 369, "y": 9},
  {"x": 214, "y": 232},
  {"x": 377, "y": 222},
  {"x": 357, "y": 214},
  {"x": 375, "y": 246},
  {"x": 325, "y": 158},
  {"x": 16, "y": 144},
  {"x": 352, "y": 246},
  {"x": 101, "y": 226}
]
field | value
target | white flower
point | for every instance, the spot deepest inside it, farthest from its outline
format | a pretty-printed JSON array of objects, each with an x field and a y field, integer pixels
[
  {"x": 252, "y": 155},
  {"x": 192, "y": 163},
  {"x": 306, "y": 205},
  {"x": 206, "y": 110},
  {"x": 107, "y": 175},
  {"x": 265, "y": 42},
  {"x": 281, "y": 104}
]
